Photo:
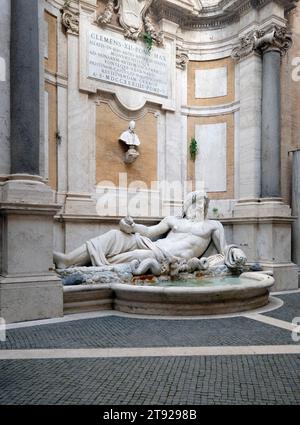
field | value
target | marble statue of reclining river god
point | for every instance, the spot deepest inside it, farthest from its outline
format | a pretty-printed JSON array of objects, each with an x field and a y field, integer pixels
[{"x": 193, "y": 242}]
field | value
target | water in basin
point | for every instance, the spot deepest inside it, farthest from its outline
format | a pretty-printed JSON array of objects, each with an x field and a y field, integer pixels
[{"x": 207, "y": 281}]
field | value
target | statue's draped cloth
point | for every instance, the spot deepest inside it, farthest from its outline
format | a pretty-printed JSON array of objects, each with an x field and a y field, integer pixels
[{"x": 116, "y": 247}]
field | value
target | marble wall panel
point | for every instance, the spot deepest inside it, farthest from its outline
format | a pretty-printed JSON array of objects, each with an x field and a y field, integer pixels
[
  {"x": 211, "y": 161},
  {"x": 213, "y": 133},
  {"x": 214, "y": 91},
  {"x": 51, "y": 42},
  {"x": 211, "y": 83}
]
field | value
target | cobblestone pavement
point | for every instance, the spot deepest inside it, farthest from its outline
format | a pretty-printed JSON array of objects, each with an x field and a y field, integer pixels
[
  {"x": 113, "y": 331},
  {"x": 290, "y": 309},
  {"x": 188, "y": 380},
  {"x": 223, "y": 379}
]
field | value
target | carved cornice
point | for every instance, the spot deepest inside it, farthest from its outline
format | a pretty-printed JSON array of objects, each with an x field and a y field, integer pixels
[
  {"x": 188, "y": 14},
  {"x": 274, "y": 38},
  {"x": 70, "y": 20},
  {"x": 224, "y": 13}
]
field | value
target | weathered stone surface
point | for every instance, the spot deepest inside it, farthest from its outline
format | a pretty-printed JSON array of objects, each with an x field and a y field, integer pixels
[
  {"x": 4, "y": 86},
  {"x": 120, "y": 273},
  {"x": 271, "y": 186},
  {"x": 296, "y": 208}
]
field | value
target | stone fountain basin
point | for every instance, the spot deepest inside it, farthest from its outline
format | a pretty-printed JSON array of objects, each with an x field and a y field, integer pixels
[
  {"x": 251, "y": 293},
  {"x": 170, "y": 301}
]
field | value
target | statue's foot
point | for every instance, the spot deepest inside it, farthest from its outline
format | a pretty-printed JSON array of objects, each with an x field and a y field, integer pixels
[{"x": 59, "y": 260}]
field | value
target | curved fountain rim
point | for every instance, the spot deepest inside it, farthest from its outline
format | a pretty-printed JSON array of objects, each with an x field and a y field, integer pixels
[{"x": 262, "y": 281}]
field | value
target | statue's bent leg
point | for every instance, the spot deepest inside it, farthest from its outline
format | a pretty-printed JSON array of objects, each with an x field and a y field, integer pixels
[
  {"x": 100, "y": 250},
  {"x": 79, "y": 257},
  {"x": 138, "y": 254},
  {"x": 103, "y": 248}
]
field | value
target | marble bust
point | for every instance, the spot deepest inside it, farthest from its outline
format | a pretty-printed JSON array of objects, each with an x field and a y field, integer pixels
[
  {"x": 188, "y": 239},
  {"x": 129, "y": 136},
  {"x": 132, "y": 141}
]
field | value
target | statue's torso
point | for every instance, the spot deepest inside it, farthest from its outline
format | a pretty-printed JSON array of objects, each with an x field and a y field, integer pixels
[{"x": 187, "y": 239}]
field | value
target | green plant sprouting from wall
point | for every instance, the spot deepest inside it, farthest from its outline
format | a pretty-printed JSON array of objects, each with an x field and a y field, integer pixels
[
  {"x": 193, "y": 149},
  {"x": 148, "y": 39}
]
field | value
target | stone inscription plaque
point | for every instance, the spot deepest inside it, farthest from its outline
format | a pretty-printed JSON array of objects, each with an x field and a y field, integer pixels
[{"x": 126, "y": 63}]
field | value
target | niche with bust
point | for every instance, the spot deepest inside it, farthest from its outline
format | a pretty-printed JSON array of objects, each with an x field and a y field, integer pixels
[{"x": 130, "y": 141}]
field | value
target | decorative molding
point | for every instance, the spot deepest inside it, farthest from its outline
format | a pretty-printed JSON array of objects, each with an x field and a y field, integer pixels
[
  {"x": 245, "y": 48},
  {"x": 219, "y": 15},
  {"x": 191, "y": 14},
  {"x": 70, "y": 20},
  {"x": 118, "y": 109},
  {"x": 81, "y": 218},
  {"x": 210, "y": 111},
  {"x": 181, "y": 59},
  {"x": 260, "y": 41},
  {"x": 106, "y": 16}
]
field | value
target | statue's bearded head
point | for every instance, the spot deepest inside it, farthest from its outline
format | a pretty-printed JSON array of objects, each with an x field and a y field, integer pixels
[{"x": 196, "y": 206}]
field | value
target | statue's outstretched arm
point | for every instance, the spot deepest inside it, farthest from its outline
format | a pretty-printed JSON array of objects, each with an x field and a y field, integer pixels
[
  {"x": 152, "y": 231},
  {"x": 218, "y": 237}
]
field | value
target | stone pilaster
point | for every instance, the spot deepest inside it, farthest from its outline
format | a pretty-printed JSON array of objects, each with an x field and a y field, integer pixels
[
  {"x": 250, "y": 82},
  {"x": 262, "y": 222},
  {"x": 29, "y": 290},
  {"x": 250, "y": 127},
  {"x": 296, "y": 209}
]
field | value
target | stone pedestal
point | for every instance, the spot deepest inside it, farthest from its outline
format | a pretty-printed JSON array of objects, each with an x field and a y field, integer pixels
[
  {"x": 262, "y": 227},
  {"x": 296, "y": 210},
  {"x": 29, "y": 288}
]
